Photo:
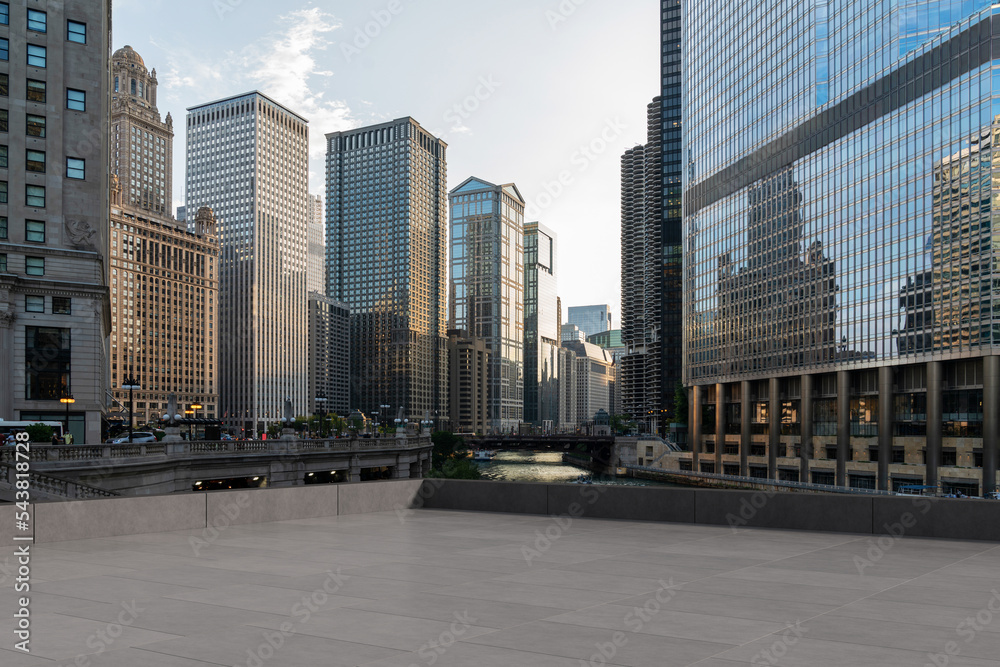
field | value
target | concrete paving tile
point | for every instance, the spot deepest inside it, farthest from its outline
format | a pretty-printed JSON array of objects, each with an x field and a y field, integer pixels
[
  {"x": 109, "y": 589},
  {"x": 737, "y": 606},
  {"x": 245, "y": 645},
  {"x": 465, "y": 654},
  {"x": 264, "y": 599},
  {"x": 489, "y": 613},
  {"x": 581, "y": 643},
  {"x": 545, "y": 596},
  {"x": 15, "y": 658},
  {"x": 808, "y": 652},
  {"x": 591, "y": 581},
  {"x": 365, "y": 588}
]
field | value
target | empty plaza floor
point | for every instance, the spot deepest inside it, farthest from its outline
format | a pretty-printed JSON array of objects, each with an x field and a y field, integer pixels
[{"x": 434, "y": 587}]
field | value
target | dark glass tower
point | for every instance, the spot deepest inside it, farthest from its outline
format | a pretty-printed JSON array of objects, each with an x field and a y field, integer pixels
[{"x": 386, "y": 253}]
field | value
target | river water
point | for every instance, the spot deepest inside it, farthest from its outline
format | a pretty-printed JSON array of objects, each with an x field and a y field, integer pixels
[{"x": 528, "y": 466}]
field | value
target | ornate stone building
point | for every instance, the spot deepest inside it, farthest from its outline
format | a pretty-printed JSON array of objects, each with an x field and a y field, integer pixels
[{"x": 164, "y": 278}]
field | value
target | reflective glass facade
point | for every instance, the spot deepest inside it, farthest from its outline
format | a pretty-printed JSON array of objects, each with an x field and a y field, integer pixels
[
  {"x": 386, "y": 253},
  {"x": 591, "y": 319},
  {"x": 541, "y": 327},
  {"x": 487, "y": 288},
  {"x": 840, "y": 281}
]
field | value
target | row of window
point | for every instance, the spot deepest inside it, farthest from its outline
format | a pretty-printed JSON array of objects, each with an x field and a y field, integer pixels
[
  {"x": 76, "y": 100},
  {"x": 61, "y": 305},
  {"x": 35, "y": 161},
  {"x": 34, "y": 230},
  {"x": 34, "y": 195},
  {"x": 38, "y": 21},
  {"x": 33, "y": 266}
]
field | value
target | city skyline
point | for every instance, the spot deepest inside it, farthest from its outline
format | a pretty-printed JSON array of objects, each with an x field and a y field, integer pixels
[{"x": 303, "y": 62}]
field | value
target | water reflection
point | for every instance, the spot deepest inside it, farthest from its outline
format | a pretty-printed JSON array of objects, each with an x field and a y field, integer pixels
[{"x": 528, "y": 466}]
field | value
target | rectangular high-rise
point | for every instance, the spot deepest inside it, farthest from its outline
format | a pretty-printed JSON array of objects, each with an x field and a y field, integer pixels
[
  {"x": 317, "y": 251},
  {"x": 541, "y": 328},
  {"x": 386, "y": 256},
  {"x": 590, "y": 319},
  {"x": 841, "y": 308},
  {"x": 55, "y": 103},
  {"x": 487, "y": 288},
  {"x": 247, "y": 159}
]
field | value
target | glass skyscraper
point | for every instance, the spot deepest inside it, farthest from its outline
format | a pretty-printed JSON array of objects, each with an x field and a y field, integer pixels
[
  {"x": 247, "y": 159},
  {"x": 590, "y": 319},
  {"x": 487, "y": 294},
  {"x": 842, "y": 288},
  {"x": 541, "y": 327},
  {"x": 386, "y": 253}
]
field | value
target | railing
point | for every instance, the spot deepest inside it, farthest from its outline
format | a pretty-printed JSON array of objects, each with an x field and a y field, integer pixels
[
  {"x": 758, "y": 481},
  {"x": 183, "y": 448},
  {"x": 54, "y": 486}
]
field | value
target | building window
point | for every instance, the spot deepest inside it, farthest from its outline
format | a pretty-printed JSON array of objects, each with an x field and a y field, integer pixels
[
  {"x": 47, "y": 361},
  {"x": 4, "y": 13},
  {"x": 75, "y": 168},
  {"x": 3, "y": 227},
  {"x": 76, "y": 32},
  {"x": 3, "y": 263},
  {"x": 34, "y": 161},
  {"x": 4, "y": 49},
  {"x": 36, "y": 91},
  {"x": 3, "y": 192},
  {"x": 4, "y": 85},
  {"x": 34, "y": 266},
  {"x": 62, "y": 305},
  {"x": 34, "y": 231},
  {"x": 37, "y": 20},
  {"x": 36, "y": 126},
  {"x": 36, "y": 55},
  {"x": 76, "y": 99},
  {"x": 34, "y": 304},
  {"x": 34, "y": 195},
  {"x": 3, "y": 156}
]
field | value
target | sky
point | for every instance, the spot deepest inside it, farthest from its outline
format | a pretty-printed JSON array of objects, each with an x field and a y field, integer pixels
[{"x": 546, "y": 94}]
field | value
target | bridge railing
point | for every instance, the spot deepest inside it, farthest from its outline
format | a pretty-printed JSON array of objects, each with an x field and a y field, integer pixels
[
  {"x": 186, "y": 448},
  {"x": 758, "y": 482},
  {"x": 54, "y": 486}
]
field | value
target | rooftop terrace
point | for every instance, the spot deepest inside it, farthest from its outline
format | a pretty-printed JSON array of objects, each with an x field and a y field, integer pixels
[{"x": 431, "y": 586}]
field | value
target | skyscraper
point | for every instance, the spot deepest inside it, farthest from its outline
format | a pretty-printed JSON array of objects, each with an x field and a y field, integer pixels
[
  {"x": 386, "y": 234},
  {"x": 54, "y": 204},
  {"x": 247, "y": 158},
  {"x": 329, "y": 355},
  {"x": 487, "y": 297},
  {"x": 158, "y": 267},
  {"x": 839, "y": 308},
  {"x": 317, "y": 251},
  {"x": 648, "y": 372},
  {"x": 590, "y": 319},
  {"x": 541, "y": 327}
]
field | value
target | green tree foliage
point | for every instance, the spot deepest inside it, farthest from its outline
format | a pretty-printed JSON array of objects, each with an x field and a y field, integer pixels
[
  {"x": 680, "y": 404},
  {"x": 39, "y": 433},
  {"x": 450, "y": 458}
]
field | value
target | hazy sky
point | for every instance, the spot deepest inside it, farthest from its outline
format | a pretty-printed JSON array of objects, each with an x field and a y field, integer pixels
[{"x": 544, "y": 93}]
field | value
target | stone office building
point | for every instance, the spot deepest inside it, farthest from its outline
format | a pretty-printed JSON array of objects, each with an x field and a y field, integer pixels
[{"x": 55, "y": 74}]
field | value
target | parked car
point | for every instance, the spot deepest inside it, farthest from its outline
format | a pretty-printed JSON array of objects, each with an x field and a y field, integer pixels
[{"x": 137, "y": 436}]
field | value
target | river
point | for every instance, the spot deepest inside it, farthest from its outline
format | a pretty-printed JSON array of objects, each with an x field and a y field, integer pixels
[{"x": 528, "y": 466}]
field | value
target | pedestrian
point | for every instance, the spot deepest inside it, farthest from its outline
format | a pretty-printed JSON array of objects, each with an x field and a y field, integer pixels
[{"x": 55, "y": 439}]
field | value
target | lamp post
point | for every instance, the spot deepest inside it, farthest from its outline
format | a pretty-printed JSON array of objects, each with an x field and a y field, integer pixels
[
  {"x": 67, "y": 400},
  {"x": 383, "y": 408},
  {"x": 131, "y": 384},
  {"x": 188, "y": 413},
  {"x": 195, "y": 407},
  {"x": 322, "y": 415}
]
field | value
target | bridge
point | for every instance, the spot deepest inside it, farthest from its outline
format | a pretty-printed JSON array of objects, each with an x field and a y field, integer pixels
[
  {"x": 599, "y": 448},
  {"x": 81, "y": 471}
]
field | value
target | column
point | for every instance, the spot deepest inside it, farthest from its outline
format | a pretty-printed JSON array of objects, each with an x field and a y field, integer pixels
[
  {"x": 991, "y": 403},
  {"x": 720, "y": 424},
  {"x": 933, "y": 423},
  {"x": 773, "y": 428},
  {"x": 746, "y": 436},
  {"x": 806, "y": 427},
  {"x": 7, "y": 363},
  {"x": 844, "y": 454},
  {"x": 695, "y": 411},
  {"x": 886, "y": 413}
]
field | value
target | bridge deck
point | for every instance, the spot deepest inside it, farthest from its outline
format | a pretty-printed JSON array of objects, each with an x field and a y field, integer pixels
[{"x": 494, "y": 589}]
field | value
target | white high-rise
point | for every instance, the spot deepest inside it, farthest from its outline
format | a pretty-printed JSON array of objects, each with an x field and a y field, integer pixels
[
  {"x": 247, "y": 158},
  {"x": 317, "y": 246}
]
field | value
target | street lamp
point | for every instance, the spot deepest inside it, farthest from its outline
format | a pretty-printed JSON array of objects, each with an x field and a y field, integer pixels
[
  {"x": 322, "y": 415},
  {"x": 68, "y": 400},
  {"x": 131, "y": 384},
  {"x": 195, "y": 407},
  {"x": 383, "y": 408},
  {"x": 188, "y": 414}
]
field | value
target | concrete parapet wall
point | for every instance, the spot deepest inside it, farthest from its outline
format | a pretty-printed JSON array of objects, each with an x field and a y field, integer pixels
[{"x": 901, "y": 516}]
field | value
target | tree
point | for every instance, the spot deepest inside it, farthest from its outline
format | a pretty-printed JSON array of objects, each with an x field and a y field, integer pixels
[
  {"x": 680, "y": 403},
  {"x": 450, "y": 458},
  {"x": 39, "y": 432}
]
